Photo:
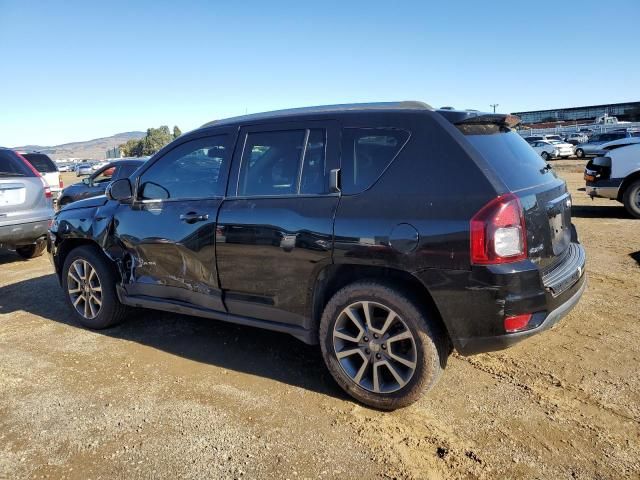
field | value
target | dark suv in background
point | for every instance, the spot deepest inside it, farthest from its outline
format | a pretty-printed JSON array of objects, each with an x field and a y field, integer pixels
[
  {"x": 97, "y": 183},
  {"x": 388, "y": 233}
]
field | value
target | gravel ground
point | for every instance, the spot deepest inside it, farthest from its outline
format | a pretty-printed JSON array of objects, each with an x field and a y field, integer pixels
[{"x": 167, "y": 396}]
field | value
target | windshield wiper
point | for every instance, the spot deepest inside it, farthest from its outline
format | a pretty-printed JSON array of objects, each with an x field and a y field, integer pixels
[{"x": 11, "y": 174}]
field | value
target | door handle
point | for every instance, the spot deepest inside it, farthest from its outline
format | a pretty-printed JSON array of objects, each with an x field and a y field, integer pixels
[{"x": 193, "y": 217}]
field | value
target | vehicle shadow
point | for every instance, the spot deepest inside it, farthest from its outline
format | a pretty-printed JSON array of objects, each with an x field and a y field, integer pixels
[
  {"x": 7, "y": 256},
  {"x": 598, "y": 211},
  {"x": 636, "y": 256},
  {"x": 244, "y": 349}
]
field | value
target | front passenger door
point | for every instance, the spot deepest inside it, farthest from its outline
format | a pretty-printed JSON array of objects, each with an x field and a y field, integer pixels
[{"x": 169, "y": 229}]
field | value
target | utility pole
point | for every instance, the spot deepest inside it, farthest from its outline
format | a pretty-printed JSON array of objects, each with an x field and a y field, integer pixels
[{"x": 494, "y": 105}]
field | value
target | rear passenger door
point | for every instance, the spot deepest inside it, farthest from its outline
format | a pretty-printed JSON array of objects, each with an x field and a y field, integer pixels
[{"x": 275, "y": 227}]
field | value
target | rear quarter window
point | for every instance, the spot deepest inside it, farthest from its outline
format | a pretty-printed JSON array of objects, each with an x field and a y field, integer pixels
[
  {"x": 366, "y": 153},
  {"x": 41, "y": 162}
]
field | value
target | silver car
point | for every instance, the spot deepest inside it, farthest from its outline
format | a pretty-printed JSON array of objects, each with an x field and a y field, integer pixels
[
  {"x": 594, "y": 145},
  {"x": 26, "y": 206}
]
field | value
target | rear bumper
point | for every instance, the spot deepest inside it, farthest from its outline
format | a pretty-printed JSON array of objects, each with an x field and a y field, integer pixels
[
  {"x": 22, "y": 233},
  {"x": 609, "y": 188},
  {"x": 471, "y": 346},
  {"x": 473, "y": 304}
]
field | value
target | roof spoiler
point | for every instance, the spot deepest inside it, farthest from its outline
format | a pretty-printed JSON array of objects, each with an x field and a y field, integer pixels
[{"x": 502, "y": 119}]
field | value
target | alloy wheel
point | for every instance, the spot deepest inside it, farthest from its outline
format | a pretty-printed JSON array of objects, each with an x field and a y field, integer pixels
[
  {"x": 84, "y": 288},
  {"x": 374, "y": 347}
]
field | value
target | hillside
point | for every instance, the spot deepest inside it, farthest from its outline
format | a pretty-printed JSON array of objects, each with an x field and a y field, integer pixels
[{"x": 91, "y": 149}]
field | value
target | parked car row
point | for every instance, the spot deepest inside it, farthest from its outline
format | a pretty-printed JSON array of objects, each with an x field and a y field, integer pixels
[
  {"x": 30, "y": 186},
  {"x": 550, "y": 146},
  {"x": 26, "y": 205}
]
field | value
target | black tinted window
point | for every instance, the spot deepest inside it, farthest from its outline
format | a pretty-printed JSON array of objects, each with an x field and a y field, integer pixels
[
  {"x": 366, "y": 153},
  {"x": 11, "y": 164},
  {"x": 125, "y": 171},
  {"x": 312, "y": 178},
  {"x": 41, "y": 162},
  {"x": 271, "y": 162},
  {"x": 191, "y": 170},
  {"x": 517, "y": 164}
]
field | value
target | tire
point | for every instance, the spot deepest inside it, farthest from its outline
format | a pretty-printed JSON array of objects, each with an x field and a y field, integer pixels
[
  {"x": 631, "y": 199},
  {"x": 579, "y": 153},
  {"x": 32, "y": 251},
  {"x": 545, "y": 156},
  {"x": 110, "y": 311},
  {"x": 427, "y": 348}
]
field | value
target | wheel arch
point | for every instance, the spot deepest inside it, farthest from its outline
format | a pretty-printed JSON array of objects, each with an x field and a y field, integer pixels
[
  {"x": 65, "y": 247},
  {"x": 629, "y": 179},
  {"x": 334, "y": 277}
]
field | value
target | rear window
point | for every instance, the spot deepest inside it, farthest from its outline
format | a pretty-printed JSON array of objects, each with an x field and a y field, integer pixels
[
  {"x": 366, "y": 153},
  {"x": 41, "y": 162},
  {"x": 12, "y": 166},
  {"x": 517, "y": 164}
]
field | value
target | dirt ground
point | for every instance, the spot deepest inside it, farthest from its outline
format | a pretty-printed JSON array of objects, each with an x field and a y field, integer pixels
[{"x": 168, "y": 396}]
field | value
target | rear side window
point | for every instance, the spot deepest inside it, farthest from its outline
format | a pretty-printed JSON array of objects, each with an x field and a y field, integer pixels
[
  {"x": 12, "y": 166},
  {"x": 517, "y": 164},
  {"x": 366, "y": 153},
  {"x": 41, "y": 162},
  {"x": 284, "y": 162}
]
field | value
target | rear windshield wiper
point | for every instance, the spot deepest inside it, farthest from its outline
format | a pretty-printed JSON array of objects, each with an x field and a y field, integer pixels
[{"x": 11, "y": 174}]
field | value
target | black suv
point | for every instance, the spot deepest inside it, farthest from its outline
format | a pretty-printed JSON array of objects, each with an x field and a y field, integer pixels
[{"x": 388, "y": 233}]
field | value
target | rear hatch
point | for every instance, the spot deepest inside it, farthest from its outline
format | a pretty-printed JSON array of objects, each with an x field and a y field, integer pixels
[
  {"x": 47, "y": 168},
  {"x": 21, "y": 192},
  {"x": 544, "y": 196}
]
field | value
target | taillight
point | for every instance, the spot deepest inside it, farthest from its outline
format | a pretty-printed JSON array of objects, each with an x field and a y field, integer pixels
[
  {"x": 47, "y": 188},
  {"x": 60, "y": 182},
  {"x": 498, "y": 232}
]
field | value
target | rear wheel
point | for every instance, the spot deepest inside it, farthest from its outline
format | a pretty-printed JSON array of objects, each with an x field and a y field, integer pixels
[
  {"x": 89, "y": 281},
  {"x": 579, "y": 153},
  {"x": 32, "y": 251},
  {"x": 631, "y": 199},
  {"x": 380, "y": 347}
]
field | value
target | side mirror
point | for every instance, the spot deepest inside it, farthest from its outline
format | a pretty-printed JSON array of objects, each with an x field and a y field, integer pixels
[
  {"x": 120, "y": 190},
  {"x": 86, "y": 180}
]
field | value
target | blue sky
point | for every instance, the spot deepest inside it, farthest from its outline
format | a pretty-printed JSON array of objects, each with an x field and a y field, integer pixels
[{"x": 76, "y": 70}]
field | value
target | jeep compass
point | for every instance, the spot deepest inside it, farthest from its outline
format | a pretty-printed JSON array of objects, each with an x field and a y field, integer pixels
[{"x": 387, "y": 233}]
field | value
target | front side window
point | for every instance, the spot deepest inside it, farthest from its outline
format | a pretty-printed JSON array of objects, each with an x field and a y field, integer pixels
[
  {"x": 366, "y": 153},
  {"x": 105, "y": 175},
  {"x": 190, "y": 171},
  {"x": 285, "y": 162}
]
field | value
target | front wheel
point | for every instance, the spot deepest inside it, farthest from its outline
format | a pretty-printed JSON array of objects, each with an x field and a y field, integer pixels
[
  {"x": 580, "y": 153},
  {"x": 380, "y": 347},
  {"x": 89, "y": 282},
  {"x": 545, "y": 156},
  {"x": 631, "y": 199}
]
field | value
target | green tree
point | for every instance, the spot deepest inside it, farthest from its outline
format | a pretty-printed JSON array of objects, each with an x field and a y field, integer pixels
[
  {"x": 154, "y": 140},
  {"x": 176, "y": 131}
]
